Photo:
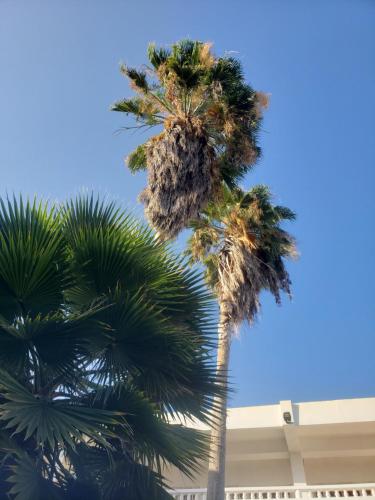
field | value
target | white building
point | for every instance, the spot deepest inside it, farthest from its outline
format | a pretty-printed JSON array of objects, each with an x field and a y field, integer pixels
[{"x": 294, "y": 450}]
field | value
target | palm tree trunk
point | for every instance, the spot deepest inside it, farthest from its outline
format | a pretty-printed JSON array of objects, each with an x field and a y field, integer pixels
[{"x": 216, "y": 466}]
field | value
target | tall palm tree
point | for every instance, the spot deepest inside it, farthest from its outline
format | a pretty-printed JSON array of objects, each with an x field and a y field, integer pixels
[
  {"x": 243, "y": 247},
  {"x": 103, "y": 333},
  {"x": 209, "y": 118}
]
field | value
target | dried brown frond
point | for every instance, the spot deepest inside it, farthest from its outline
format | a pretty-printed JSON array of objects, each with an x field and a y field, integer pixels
[
  {"x": 206, "y": 57},
  {"x": 238, "y": 229},
  {"x": 173, "y": 92},
  {"x": 248, "y": 153},
  {"x": 242, "y": 151},
  {"x": 291, "y": 249},
  {"x": 169, "y": 122},
  {"x": 201, "y": 241},
  {"x": 255, "y": 212},
  {"x": 155, "y": 139},
  {"x": 263, "y": 100},
  {"x": 162, "y": 72},
  {"x": 182, "y": 176},
  {"x": 240, "y": 281},
  {"x": 243, "y": 273},
  {"x": 229, "y": 127}
]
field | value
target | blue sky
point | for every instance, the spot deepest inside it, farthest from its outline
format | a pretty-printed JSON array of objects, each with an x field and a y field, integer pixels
[{"x": 59, "y": 74}]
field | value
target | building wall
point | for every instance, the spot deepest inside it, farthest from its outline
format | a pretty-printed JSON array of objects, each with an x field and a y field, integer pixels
[
  {"x": 259, "y": 473},
  {"x": 177, "y": 480},
  {"x": 329, "y": 442},
  {"x": 340, "y": 470},
  {"x": 241, "y": 473}
]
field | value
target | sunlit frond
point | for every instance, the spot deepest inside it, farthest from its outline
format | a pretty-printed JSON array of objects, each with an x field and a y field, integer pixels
[
  {"x": 210, "y": 118},
  {"x": 243, "y": 246}
]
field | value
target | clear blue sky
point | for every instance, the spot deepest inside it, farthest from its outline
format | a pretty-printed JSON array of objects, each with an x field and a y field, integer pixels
[{"x": 59, "y": 74}]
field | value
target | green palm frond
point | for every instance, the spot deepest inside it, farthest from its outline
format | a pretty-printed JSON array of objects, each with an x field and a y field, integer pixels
[
  {"x": 144, "y": 111},
  {"x": 157, "y": 55},
  {"x": 111, "y": 333},
  {"x": 27, "y": 482},
  {"x": 61, "y": 344},
  {"x": 9, "y": 445},
  {"x": 284, "y": 213},
  {"x": 52, "y": 421},
  {"x": 117, "y": 474},
  {"x": 14, "y": 349},
  {"x": 139, "y": 78},
  {"x": 137, "y": 159},
  {"x": 134, "y": 480},
  {"x": 154, "y": 440},
  {"x": 52, "y": 344},
  {"x": 32, "y": 268},
  {"x": 77, "y": 489}
]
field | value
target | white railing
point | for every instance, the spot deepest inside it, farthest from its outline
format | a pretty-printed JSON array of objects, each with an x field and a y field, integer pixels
[{"x": 292, "y": 492}]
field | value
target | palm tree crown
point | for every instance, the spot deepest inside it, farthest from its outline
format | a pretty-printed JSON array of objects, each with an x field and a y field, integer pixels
[
  {"x": 103, "y": 332},
  {"x": 210, "y": 118},
  {"x": 243, "y": 247}
]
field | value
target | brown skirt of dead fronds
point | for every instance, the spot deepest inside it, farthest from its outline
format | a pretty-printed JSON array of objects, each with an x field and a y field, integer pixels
[
  {"x": 182, "y": 176},
  {"x": 243, "y": 273}
]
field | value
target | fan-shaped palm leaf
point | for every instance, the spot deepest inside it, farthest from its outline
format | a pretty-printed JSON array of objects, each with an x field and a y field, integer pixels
[{"x": 105, "y": 306}]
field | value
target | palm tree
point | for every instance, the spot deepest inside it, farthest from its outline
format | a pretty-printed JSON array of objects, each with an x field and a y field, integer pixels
[
  {"x": 209, "y": 118},
  {"x": 243, "y": 247},
  {"x": 103, "y": 333}
]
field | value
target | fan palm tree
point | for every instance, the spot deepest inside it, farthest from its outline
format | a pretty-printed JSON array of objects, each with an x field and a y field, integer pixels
[
  {"x": 243, "y": 247},
  {"x": 103, "y": 333},
  {"x": 209, "y": 118}
]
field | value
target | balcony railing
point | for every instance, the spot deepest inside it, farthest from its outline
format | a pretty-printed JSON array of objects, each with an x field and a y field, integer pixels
[{"x": 293, "y": 492}]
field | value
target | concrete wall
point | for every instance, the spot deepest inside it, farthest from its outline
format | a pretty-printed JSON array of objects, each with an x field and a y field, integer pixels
[
  {"x": 177, "y": 480},
  {"x": 259, "y": 473},
  {"x": 241, "y": 473},
  {"x": 322, "y": 442},
  {"x": 340, "y": 470}
]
